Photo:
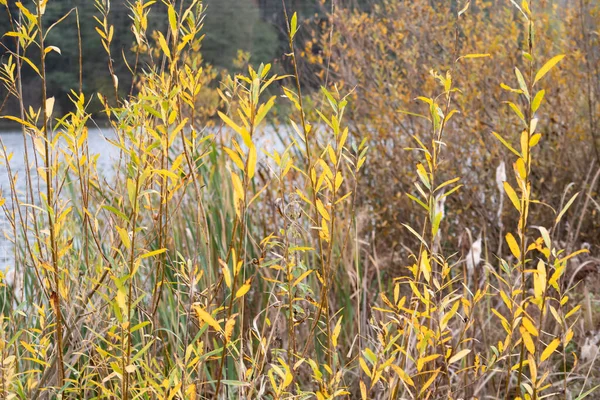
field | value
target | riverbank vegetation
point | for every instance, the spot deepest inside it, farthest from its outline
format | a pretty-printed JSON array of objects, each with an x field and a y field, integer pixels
[{"x": 419, "y": 221}]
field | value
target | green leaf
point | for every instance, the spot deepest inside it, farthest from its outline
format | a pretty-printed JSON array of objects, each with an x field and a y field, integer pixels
[
  {"x": 294, "y": 25},
  {"x": 586, "y": 394}
]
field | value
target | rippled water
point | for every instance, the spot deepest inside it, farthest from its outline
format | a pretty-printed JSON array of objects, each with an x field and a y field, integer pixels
[{"x": 13, "y": 141}]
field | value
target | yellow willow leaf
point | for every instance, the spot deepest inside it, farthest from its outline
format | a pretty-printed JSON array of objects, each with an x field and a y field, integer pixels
[
  {"x": 528, "y": 341},
  {"x": 568, "y": 337},
  {"x": 251, "y": 161},
  {"x": 322, "y": 210},
  {"x": 537, "y": 100},
  {"x": 549, "y": 349},
  {"x": 153, "y": 253},
  {"x": 302, "y": 277},
  {"x": 363, "y": 390},
  {"x": 234, "y": 157},
  {"x": 288, "y": 375},
  {"x": 226, "y": 273},
  {"x": 547, "y": 67},
  {"x": 338, "y": 181},
  {"x": 535, "y": 139},
  {"x": 124, "y": 235},
  {"x": 513, "y": 245},
  {"x": 49, "y": 106},
  {"x": 520, "y": 168},
  {"x": 19, "y": 120},
  {"x": 476, "y": 56},
  {"x": 336, "y": 331},
  {"x": 512, "y": 195},
  {"x": 573, "y": 311},
  {"x": 190, "y": 392},
  {"x": 324, "y": 232},
  {"x": 448, "y": 316},
  {"x": 364, "y": 366},
  {"x": 429, "y": 382},
  {"x": 206, "y": 317},
  {"x": 422, "y": 361},
  {"x": 459, "y": 356},
  {"x": 539, "y": 280},
  {"x": 243, "y": 290},
  {"x": 238, "y": 193},
  {"x": 556, "y": 276},
  {"x": 229, "y": 325},
  {"x": 172, "y": 19},
  {"x": 532, "y": 368},
  {"x": 241, "y": 131},
  {"x": 122, "y": 301},
  {"x": 163, "y": 45},
  {"x": 527, "y": 324},
  {"x": 525, "y": 7},
  {"x": 425, "y": 266},
  {"x": 525, "y": 144},
  {"x": 403, "y": 375}
]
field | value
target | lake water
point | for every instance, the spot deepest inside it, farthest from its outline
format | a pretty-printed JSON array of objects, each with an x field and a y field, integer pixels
[
  {"x": 268, "y": 138},
  {"x": 13, "y": 142}
]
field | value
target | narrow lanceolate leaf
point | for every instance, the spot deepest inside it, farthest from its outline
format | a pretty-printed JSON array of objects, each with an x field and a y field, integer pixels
[
  {"x": 528, "y": 341},
  {"x": 163, "y": 45},
  {"x": 429, "y": 382},
  {"x": 293, "y": 24},
  {"x": 229, "y": 325},
  {"x": 521, "y": 80},
  {"x": 363, "y": 390},
  {"x": 537, "y": 100},
  {"x": 336, "y": 331},
  {"x": 153, "y": 253},
  {"x": 251, "y": 161},
  {"x": 241, "y": 131},
  {"x": 206, "y": 317},
  {"x": 512, "y": 195},
  {"x": 506, "y": 144},
  {"x": 529, "y": 326},
  {"x": 322, "y": 210},
  {"x": 302, "y": 277},
  {"x": 547, "y": 67},
  {"x": 459, "y": 356},
  {"x": 403, "y": 375},
  {"x": 425, "y": 266},
  {"x": 243, "y": 290},
  {"x": 550, "y": 349},
  {"x": 513, "y": 245},
  {"x": 172, "y": 19}
]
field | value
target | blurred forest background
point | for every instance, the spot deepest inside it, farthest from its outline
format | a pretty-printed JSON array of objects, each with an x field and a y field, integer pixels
[{"x": 256, "y": 27}]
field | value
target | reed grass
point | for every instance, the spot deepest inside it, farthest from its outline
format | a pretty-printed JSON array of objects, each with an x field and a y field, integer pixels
[{"x": 210, "y": 265}]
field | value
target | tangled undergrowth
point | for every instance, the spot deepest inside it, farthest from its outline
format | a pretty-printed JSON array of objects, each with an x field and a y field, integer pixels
[{"x": 213, "y": 264}]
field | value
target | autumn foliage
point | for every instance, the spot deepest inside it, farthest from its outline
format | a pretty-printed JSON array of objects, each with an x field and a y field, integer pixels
[{"x": 420, "y": 223}]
